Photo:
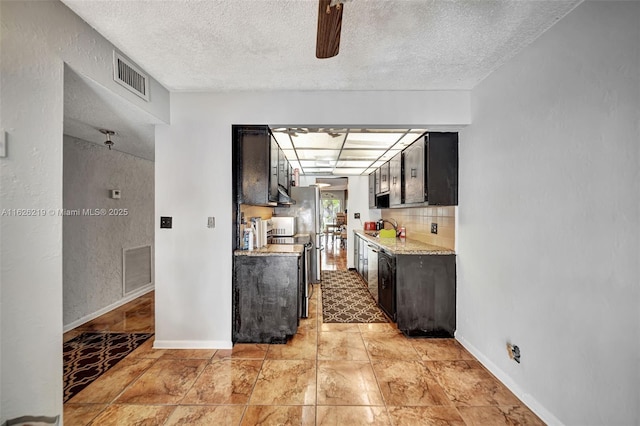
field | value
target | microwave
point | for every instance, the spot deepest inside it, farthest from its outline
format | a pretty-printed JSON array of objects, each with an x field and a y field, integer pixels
[{"x": 283, "y": 226}]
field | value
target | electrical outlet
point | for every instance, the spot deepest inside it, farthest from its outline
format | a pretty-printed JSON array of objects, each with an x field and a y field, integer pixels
[
  {"x": 165, "y": 221},
  {"x": 434, "y": 228},
  {"x": 211, "y": 222},
  {"x": 356, "y": 215}
]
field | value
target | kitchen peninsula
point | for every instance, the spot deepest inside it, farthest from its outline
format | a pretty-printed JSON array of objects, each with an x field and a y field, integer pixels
[{"x": 266, "y": 293}]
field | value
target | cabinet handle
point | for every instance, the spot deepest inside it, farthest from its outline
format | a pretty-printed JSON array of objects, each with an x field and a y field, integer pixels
[
  {"x": 414, "y": 173},
  {"x": 394, "y": 180}
]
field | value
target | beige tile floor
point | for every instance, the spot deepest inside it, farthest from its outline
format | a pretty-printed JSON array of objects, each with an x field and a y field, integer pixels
[{"x": 328, "y": 374}]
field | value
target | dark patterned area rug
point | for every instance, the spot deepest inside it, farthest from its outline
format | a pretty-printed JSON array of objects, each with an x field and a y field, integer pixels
[
  {"x": 345, "y": 298},
  {"x": 87, "y": 356}
]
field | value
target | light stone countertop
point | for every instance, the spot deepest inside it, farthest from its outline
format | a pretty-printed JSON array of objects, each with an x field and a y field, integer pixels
[
  {"x": 405, "y": 245},
  {"x": 273, "y": 250}
]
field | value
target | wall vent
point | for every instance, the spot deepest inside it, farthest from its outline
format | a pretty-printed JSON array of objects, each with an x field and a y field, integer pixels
[
  {"x": 130, "y": 76},
  {"x": 137, "y": 269}
]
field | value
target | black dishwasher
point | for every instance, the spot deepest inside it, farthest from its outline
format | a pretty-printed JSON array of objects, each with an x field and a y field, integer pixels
[{"x": 387, "y": 283}]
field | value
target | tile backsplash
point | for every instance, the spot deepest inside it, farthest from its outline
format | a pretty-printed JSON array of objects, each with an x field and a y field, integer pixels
[
  {"x": 418, "y": 220},
  {"x": 255, "y": 211}
]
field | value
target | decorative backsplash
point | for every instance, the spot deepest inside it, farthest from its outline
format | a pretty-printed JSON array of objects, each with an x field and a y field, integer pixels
[{"x": 418, "y": 220}]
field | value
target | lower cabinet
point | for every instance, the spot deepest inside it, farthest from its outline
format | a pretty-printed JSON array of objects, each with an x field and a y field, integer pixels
[
  {"x": 265, "y": 298},
  {"x": 426, "y": 295},
  {"x": 387, "y": 283}
]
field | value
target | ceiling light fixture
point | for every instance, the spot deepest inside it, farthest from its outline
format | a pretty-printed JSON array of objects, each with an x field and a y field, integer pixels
[{"x": 108, "y": 134}]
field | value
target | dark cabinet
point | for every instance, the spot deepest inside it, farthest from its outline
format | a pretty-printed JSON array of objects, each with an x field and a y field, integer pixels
[
  {"x": 395, "y": 180},
  {"x": 283, "y": 170},
  {"x": 273, "y": 170},
  {"x": 384, "y": 178},
  {"x": 431, "y": 170},
  {"x": 265, "y": 298},
  {"x": 258, "y": 162},
  {"x": 426, "y": 295},
  {"x": 372, "y": 190},
  {"x": 252, "y": 154},
  {"x": 414, "y": 173},
  {"x": 387, "y": 283}
]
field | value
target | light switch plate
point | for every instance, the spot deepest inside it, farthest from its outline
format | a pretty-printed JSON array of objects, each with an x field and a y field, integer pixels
[
  {"x": 3, "y": 143},
  {"x": 211, "y": 222},
  {"x": 166, "y": 222}
]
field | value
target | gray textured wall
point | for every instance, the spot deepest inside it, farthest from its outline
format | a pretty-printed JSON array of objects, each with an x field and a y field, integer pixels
[{"x": 92, "y": 245}]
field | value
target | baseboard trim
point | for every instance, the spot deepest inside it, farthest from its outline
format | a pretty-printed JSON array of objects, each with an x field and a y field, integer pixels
[
  {"x": 192, "y": 344},
  {"x": 128, "y": 298},
  {"x": 528, "y": 400}
]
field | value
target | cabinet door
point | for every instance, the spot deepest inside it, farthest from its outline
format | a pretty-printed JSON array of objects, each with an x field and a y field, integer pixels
[
  {"x": 356, "y": 252},
  {"x": 426, "y": 295},
  {"x": 386, "y": 284},
  {"x": 372, "y": 270},
  {"x": 265, "y": 298},
  {"x": 384, "y": 177},
  {"x": 273, "y": 170},
  {"x": 377, "y": 179},
  {"x": 251, "y": 151},
  {"x": 282, "y": 169},
  {"x": 364, "y": 265},
  {"x": 442, "y": 169},
  {"x": 395, "y": 180},
  {"x": 372, "y": 190},
  {"x": 414, "y": 182}
]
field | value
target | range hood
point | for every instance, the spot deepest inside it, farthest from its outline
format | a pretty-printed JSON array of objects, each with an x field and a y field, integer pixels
[{"x": 283, "y": 198}]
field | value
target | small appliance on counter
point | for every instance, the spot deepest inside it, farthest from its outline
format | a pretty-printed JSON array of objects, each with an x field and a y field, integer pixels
[
  {"x": 283, "y": 226},
  {"x": 369, "y": 226},
  {"x": 260, "y": 231}
]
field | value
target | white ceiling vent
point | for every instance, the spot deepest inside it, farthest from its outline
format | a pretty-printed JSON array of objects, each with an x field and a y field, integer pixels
[{"x": 130, "y": 76}]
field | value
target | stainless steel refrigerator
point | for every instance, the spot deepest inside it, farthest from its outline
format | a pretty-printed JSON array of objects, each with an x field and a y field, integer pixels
[{"x": 307, "y": 210}]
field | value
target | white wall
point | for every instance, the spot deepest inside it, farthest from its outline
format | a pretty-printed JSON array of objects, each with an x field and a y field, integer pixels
[
  {"x": 549, "y": 219},
  {"x": 92, "y": 245},
  {"x": 358, "y": 203},
  {"x": 36, "y": 39},
  {"x": 193, "y": 177}
]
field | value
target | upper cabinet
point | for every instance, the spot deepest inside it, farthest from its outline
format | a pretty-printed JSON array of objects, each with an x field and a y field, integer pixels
[
  {"x": 258, "y": 161},
  {"x": 283, "y": 170},
  {"x": 425, "y": 173},
  {"x": 414, "y": 163},
  {"x": 372, "y": 190},
  {"x": 273, "y": 168},
  {"x": 395, "y": 180},
  {"x": 431, "y": 170},
  {"x": 384, "y": 178}
]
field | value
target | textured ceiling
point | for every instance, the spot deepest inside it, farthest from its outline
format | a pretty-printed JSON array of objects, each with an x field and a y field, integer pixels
[
  {"x": 216, "y": 45},
  {"x": 226, "y": 45}
]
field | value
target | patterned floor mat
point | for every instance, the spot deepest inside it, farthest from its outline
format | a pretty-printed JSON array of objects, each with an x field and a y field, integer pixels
[
  {"x": 342, "y": 279},
  {"x": 89, "y": 355},
  {"x": 346, "y": 299}
]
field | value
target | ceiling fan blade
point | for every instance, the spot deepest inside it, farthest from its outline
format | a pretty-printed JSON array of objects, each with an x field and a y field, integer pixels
[{"x": 329, "y": 26}]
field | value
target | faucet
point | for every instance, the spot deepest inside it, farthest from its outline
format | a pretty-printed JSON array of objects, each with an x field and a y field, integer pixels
[{"x": 394, "y": 224}]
